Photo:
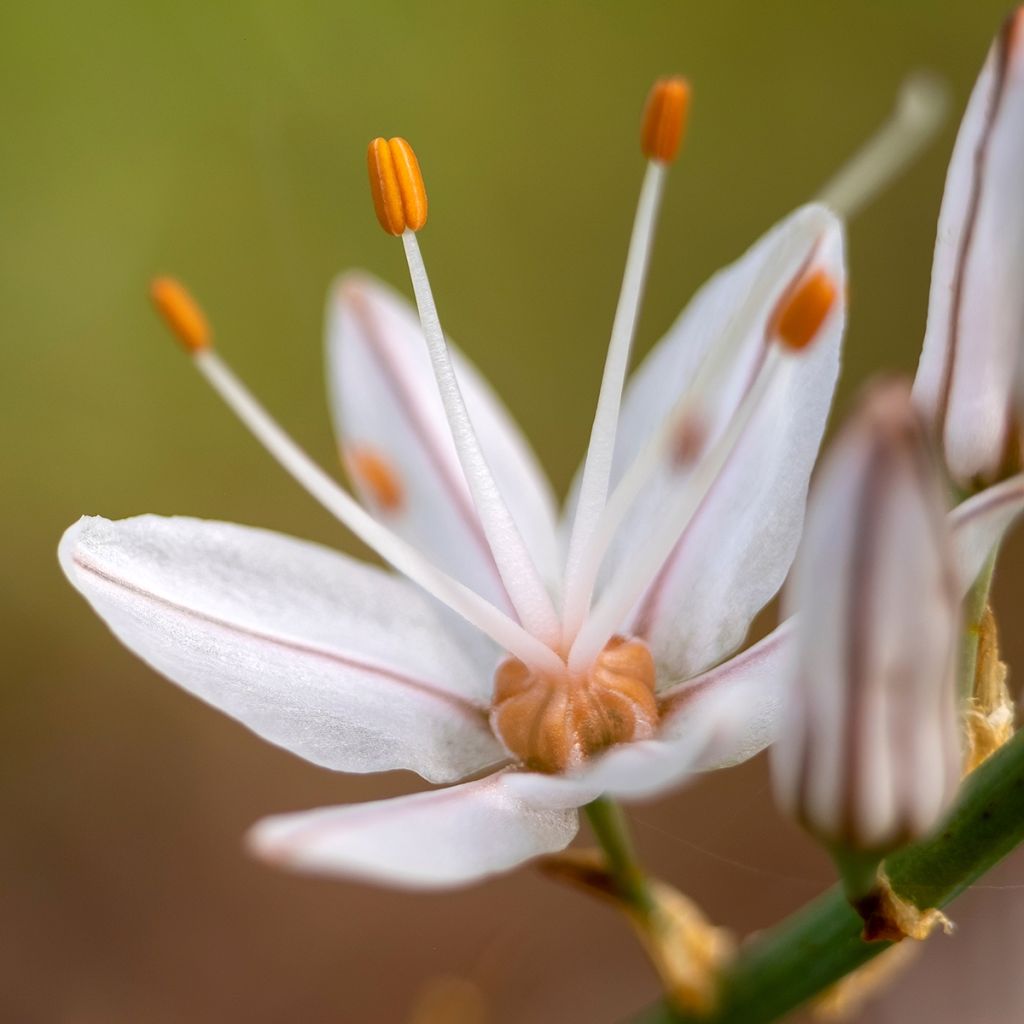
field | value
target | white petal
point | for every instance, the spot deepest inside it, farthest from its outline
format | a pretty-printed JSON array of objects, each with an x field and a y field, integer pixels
[
  {"x": 754, "y": 682},
  {"x": 441, "y": 839},
  {"x": 385, "y": 400},
  {"x": 980, "y": 523},
  {"x": 976, "y": 307},
  {"x": 336, "y": 661},
  {"x": 735, "y": 554}
]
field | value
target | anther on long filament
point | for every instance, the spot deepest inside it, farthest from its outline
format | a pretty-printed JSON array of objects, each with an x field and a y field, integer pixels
[
  {"x": 803, "y": 310},
  {"x": 668, "y": 105},
  {"x": 183, "y": 316},
  {"x": 662, "y": 130},
  {"x": 396, "y": 184},
  {"x": 181, "y": 313}
]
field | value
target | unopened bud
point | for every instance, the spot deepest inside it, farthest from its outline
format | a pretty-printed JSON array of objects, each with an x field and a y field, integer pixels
[
  {"x": 869, "y": 755},
  {"x": 975, "y": 334}
]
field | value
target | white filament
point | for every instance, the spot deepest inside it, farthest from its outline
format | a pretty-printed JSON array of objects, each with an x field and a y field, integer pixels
[
  {"x": 702, "y": 393},
  {"x": 518, "y": 572},
  {"x": 919, "y": 111},
  {"x": 600, "y": 452},
  {"x": 406, "y": 559},
  {"x": 615, "y": 604}
]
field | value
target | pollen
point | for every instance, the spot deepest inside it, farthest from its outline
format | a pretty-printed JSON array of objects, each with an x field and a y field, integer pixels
[
  {"x": 396, "y": 184},
  {"x": 555, "y": 722},
  {"x": 804, "y": 308},
  {"x": 376, "y": 477},
  {"x": 181, "y": 313},
  {"x": 668, "y": 105}
]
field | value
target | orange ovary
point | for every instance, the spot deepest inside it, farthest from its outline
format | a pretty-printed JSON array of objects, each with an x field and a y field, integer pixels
[
  {"x": 665, "y": 116},
  {"x": 181, "y": 313},
  {"x": 396, "y": 184},
  {"x": 804, "y": 309},
  {"x": 552, "y": 723},
  {"x": 376, "y": 477}
]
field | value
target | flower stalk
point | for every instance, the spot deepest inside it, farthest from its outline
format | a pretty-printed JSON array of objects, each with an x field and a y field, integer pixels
[
  {"x": 611, "y": 830},
  {"x": 821, "y": 943}
]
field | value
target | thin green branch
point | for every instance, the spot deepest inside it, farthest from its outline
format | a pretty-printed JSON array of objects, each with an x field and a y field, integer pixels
[
  {"x": 974, "y": 612},
  {"x": 612, "y": 833},
  {"x": 820, "y": 944}
]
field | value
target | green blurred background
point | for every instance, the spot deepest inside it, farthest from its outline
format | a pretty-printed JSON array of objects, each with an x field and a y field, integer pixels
[{"x": 224, "y": 142}]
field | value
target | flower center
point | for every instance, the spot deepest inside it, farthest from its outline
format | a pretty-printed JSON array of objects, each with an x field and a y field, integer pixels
[{"x": 555, "y": 721}]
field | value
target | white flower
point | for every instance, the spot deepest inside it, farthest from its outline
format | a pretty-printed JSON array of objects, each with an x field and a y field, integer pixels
[
  {"x": 869, "y": 755},
  {"x": 609, "y": 634},
  {"x": 975, "y": 333}
]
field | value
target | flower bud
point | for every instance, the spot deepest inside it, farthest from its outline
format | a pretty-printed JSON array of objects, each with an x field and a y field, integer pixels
[
  {"x": 975, "y": 332},
  {"x": 869, "y": 754}
]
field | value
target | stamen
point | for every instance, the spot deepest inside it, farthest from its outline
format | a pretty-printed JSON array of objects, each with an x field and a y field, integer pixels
[
  {"x": 920, "y": 110},
  {"x": 615, "y": 604},
  {"x": 662, "y": 130},
  {"x": 802, "y": 312},
  {"x": 402, "y": 556},
  {"x": 375, "y": 477},
  {"x": 668, "y": 105},
  {"x": 396, "y": 184},
  {"x": 522, "y": 581},
  {"x": 681, "y": 431},
  {"x": 180, "y": 313}
]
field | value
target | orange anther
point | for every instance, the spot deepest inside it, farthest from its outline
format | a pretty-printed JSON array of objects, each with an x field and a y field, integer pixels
[
  {"x": 181, "y": 313},
  {"x": 375, "y": 477},
  {"x": 803, "y": 310},
  {"x": 399, "y": 196},
  {"x": 668, "y": 104}
]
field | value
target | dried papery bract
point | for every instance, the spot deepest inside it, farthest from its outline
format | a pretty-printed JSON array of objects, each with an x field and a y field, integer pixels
[
  {"x": 869, "y": 755},
  {"x": 975, "y": 332}
]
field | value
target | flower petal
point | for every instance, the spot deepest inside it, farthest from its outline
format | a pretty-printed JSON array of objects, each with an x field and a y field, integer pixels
[
  {"x": 980, "y": 523},
  {"x": 435, "y": 840},
  {"x": 736, "y": 551},
  {"x": 388, "y": 415},
  {"x": 754, "y": 682},
  {"x": 976, "y": 307},
  {"x": 336, "y": 661}
]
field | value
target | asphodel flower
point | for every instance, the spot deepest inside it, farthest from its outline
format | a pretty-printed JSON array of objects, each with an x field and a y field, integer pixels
[
  {"x": 548, "y": 673},
  {"x": 869, "y": 755},
  {"x": 974, "y": 341}
]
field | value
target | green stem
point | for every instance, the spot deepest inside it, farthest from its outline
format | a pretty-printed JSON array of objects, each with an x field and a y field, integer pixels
[
  {"x": 820, "y": 944},
  {"x": 974, "y": 611},
  {"x": 857, "y": 871},
  {"x": 612, "y": 833}
]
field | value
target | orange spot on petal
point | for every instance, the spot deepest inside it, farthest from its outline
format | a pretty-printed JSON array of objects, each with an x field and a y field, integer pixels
[{"x": 376, "y": 477}]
